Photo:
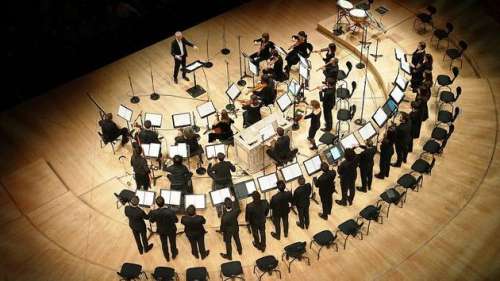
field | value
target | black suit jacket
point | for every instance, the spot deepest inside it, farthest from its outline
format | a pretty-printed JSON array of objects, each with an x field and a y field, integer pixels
[
  {"x": 175, "y": 49},
  {"x": 221, "y": 172},
  {"x": 109, "y": 129},
  {"x": 347, "y": 171},
  {"x": 179, "y": 174},
  {"x": 139, "y": 164},
  {"x": 366, "y": 157},
  {"x": 148, "y": 136},
  {"x": 327, "y": 96},
  {"x": 256, "y": 212},
  {"x": 136, "y": 217},
  {"x": 282, "y": 147},
  {"x": 229, "y": 221},
  {"x": 326, "y": 183},
  {"x": 280, "y": 203},
  {"x": 301, "y": 195},
  {"x": 193, "y": 226},
  {"x": 165, "y": 220}
]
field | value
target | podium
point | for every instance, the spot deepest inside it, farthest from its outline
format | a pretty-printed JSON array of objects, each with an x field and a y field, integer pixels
[
  {"x": 250, "y": 150},
  {"x": 196, "y": 90}
]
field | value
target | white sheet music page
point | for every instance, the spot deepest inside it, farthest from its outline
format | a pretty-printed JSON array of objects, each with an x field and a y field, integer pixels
[
  {"x": 380, "y": 117},
  {"x": 349, "y": 142},
  {"x": 367, "y": 131},
  {"x": 284, "y": 101},
  {"x": 233, "y": 91},
  {"x": 197, "y": 200},
  {"x": 182, "y": 119},
  {"x": 250, "y": 185},
  {"x": 125, "y": 113},
  {"x": 194, "y": 66},
  {"x": 268, "y": 182},
  {"x": 313, "y": 165},
  {"x": 154, "y": 150},
  {"x": 291, "y": 172},
  {"x": 206, "y": 109},
  {"x": 154, "y": 118},
  {"x": 397, "y": 94}
]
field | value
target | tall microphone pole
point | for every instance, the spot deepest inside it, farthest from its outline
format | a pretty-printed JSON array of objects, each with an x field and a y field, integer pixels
[
  {"x": 360, "y": 121},
  {"x": 134, "y": 98},
  {"x": 154, "y": 95},
  {"x": 208, "y": 63},
  {"x": 225, "y": 50},
  {"x": 242, "y": 81}
]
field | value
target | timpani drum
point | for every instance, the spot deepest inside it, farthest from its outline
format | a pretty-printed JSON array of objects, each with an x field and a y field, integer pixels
[
  {"x": 358, "y": 16},
  {"x": 345, "y": 5}
]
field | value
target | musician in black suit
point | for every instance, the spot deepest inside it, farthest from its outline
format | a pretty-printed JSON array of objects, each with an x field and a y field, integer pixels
[
  {"x": 386, "y": 152},
  {"x": 230, "y": 228},
  {"x": 110, "y": 131},
  {"x": 416, "y": 117},
  {"x": 179, "y": 175},
  {"x": 136, "y": 217},
  {"x": 281, "y": 152},
  {"x": 331, "y": 69},
  {"x": 280, "y": 206},
  {"x": 141, "y": 169},
  {"x": 267, "y": 94},
  {"x": 179, "y": 52},
  {"x": 195, "y": 232},
  {"x": 165, "y": 220},
  {"x": 326, "y": 185},
  {"x": 251, "y": 114},
  {"x": 366, "y": 165},
  {"x": 301, "y": 199},
  {"x": 327, "y": 97},
  {"x": 147, "y": 135},
  {"x": 221, "y": 172},
  {"x": 403, "y": 139},
  {"x": 255, "y": 214},
  {"x": 348, "y": 173},
  {"x": 265, "y": 48}
]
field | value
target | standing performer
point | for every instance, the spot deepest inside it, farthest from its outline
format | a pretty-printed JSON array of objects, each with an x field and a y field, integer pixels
[
  {"x": 179, "y": 52},
  {"x": 136, "y": 217},
  {"x": 230, "y": 228},
  {"x": 299, "y": 47},
  {"x": 386, "y": 152},
  {"x": 141, "y": 169},
  {"x": 315, "y": 117},
  {"x": 195, "y": 232},
  {"x": 165, "y": 220},
  {"x": 366, "y": 165},
  {"x": 330, "y": 52},
  {"x": 326, "y": 185},
  {"x": 255, "y": 214},
  {"x": 301, "y": 199},
  {"x": 403, "y": 139},
  {"x": 348, "y": 175},
  {"x": 110, "y": 130},
  {"x": 327, "y": 97},
  {"x": 280, "y": 206},
  {"x": 265, "y": 48}
]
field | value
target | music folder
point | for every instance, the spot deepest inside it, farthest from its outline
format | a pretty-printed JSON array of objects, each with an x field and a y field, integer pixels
[
  {"x": 254, "y": 68},
  {"x": 267, "y": 182},
  {"x": 154, "y": 118},
  {"x": 268, "y": 131},
  {"x": 390, "y": 107},
  {"x": 197, "y": 200},
  {"x": 401, "y": 82},
  {"x": 367, "y": 131},
  {"x": 350, "y": 141},
  {"x": 213, "y": 149},
  {"x": 180, "y": 149},
  {"x": 291, "y": 172},
  {"x": 146, "y": 198},
  {"x": 194, "y": 66},
  {"x": 151, "y": 149},
  {"x": 334, "y": 153},
  {"x": 284, "y": 101},
  {"x": 218, "y": 196},
  {"x": 171, "y": 197},
  {"x": 244, "y": 189},
  {"x": 233, "y": 92},
  {"x": 397, "y": 95},
  {"x": 293, "y": 87},
  {"x": 125, "y": 113},
  {"x": 405, "y": 67},
  {"x": 400, "y": 55},
  {"x": 312, "y": 165},
  {"x": 380, "y": 117},
  {"x": 180, "y": 120},
  {"x": 206, "y": 109},
  {"x": 304, "y": 71}
]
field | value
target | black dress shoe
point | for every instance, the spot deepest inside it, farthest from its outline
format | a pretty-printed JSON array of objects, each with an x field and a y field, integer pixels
[
  {"x": 256, "y": 245},
  {"x": 397, "y": 165},
  {"x": 325, "y": 217},
  {"x": 340, "y": 202},
  {"x": 167, "y": 258},
  {"x": 275, "y": 235},
  {"x": 203, "y": 256},
  {"x": 176, "y": 81},
  {"x": 225, "y": 256},
  {"x": 325, "y": 129},
  {"x": 240, "y": 252},
  {"x": 148, "y": 248},
  {"x": 299, "y": 225},
  {"x": 360, "y": 188},
  {"x": 174, "y": 254},
  {"x": 379, "y": 176},
  {"x": 185, "y": 78}
]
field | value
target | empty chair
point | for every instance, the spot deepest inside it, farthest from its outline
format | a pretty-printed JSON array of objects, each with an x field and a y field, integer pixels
[
  {"x": 444, "y": 81},
  {"x": 163, "y": 273},
  {"x": 344, "y": 116},
  {"x": 447, "y": 117},
  {"x": 349, "y": 228},
  {"x": 343, "y": 94},
  {"x": 295, "y": 251},
  {"x": 231, "y": 270},
  {"x": 197, "y": 274},
  {"x": 323, "y": 238},
  {"x": 131, "y": 271},
  {"x": 392, "y": 197},
  {"x": 123, "y": 197},
  {"x": 266, "y": 264},
  {"x": 449, "y": 97},
  {"x": 410, "y": 181},
  {"x": 434, "y": 146},
  {"x": 456, "y": 53},
  {"x": 342, "y": 75},
  {"x": 426, "y": 17},
  {"x": 440, "y": 133},
  {"x": 442, "y": 34},
  {"x": 423, "y": 166},
  {"x": 371, "y": 213}
]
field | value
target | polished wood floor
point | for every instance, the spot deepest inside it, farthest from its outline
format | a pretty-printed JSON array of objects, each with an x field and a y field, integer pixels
[{"x": 58, "y": 214}]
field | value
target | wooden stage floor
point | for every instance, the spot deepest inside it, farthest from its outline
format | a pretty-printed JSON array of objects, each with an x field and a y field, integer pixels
[{"x": 59, "y": 220}]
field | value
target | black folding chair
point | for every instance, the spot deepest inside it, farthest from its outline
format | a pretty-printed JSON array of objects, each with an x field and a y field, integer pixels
[
  {"x": 131, "y": 271},
  {"x": 349, "y": 228},
  {"x": 445, "y": 81},
  {"x": 295, "y": 251},
  {"x": 392, "y": 197},
  {"x": 231, "y": 270},
  {"x": 266, "y": 264},
  {"x": 442, "y": 34},
  {"x": 163, "y": 273},
  {"x": 456, "y": 53},
  {"x": 371, "y": 213},
  {"x": 197, "y": 274},
  {"x": 324, "y": 238}
]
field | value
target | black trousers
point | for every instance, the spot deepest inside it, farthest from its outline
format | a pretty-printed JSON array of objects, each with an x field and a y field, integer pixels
[
  {"x": 124, "y": 132},
  {"x": 178, "y": 64},
  {"x": 348, "y": 191},
  {"x": 228, "y": 237},
  {"x": 326, "y": 203},
  {"x": 277, "y": 224},
  {"x": 142, "y": 181},
  {"x": 366, "y": 177},
  {"x": 259, "y": 234},
  {"x": 165, "y": 240},
  {"x": 385, "y": 166},
  {"x": 303, "y": 213},
  {"x": 327, "y": 114},
  {"x": 141, "y": 239},
  {"x": 197, "y": 245},
  {"x": 402, "y": 153}
]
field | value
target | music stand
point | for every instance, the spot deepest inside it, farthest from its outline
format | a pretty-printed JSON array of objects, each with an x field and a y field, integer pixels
[
  {"x": 218, "y": 196},
  {"x": 304, "y": 74},
  {"x": 397, "y": 95},
  {"x": 350, "y": 141},
  {"x": 171, "y": 197},
  {"x": 181, "y": 149},
  {"x": 224, "y": 50},
  {"x": 154, "y": 118},
  {"x": 380, "y": 117},
  {"x": 268, "y": 182},
  {"x": 390, "y": 107},
  {"x": 243, "y": 69},
  {"x": 291, "y": 172},
  {"x": 133, "y": 99},
  {"x": 212, "y": 150},
  {"x": 399, "y": 55},
  {"x": 312, "y": 165},
  {"x": 367, "y": 131},
  {"x": 254, "y": 69},
  {"x": 154, "y": 95},
  {"x": 180, "y": 120},
  {"x": 196, "y": 90},
  {"x": 151, "y": 150},
  {"x": 146, "y": 198},
  {"x": 125, "y": 113},
  {"x": 197, "y": 200},
  {"x": 401, "y": 82},
  {"x": 405, "y": 67},
  {"x": 244, "y": 189},
  {"x": 205, "y": 110},
  {"x": 233, "y": 92},
  {"x": 334, "y": 154},
  {"x": 284, "y": 102}
]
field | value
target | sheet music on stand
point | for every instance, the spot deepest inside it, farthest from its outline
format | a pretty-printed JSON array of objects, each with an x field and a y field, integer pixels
[
  {"x": 267, "y": 182},
  {"x": 125, "y": 113},
  {"x": 312, "y": 165},
  {"x": 254, "y": 69},
  {"x": 291, "y": 172},
  {"x": 281, "y": 51},
  {"x": 304, "y": 71},
  {"x": 193, "y": 66},
  {"x": 397, "y": 95},
  {"x": 304, "y": 61},
  {"x": 405, "y": 67},
  {"x": 268, "y": 131},
  {"x": 218, "y": 196},
  {"x": 367, "y": 131},
  {"x": 171, "y": 197},
  {"x": 293, "y": 87},
  {"x": 401, "y": 82},
  {"x": 214, "y": 149},
  {"x": 233, "y": 92},
  {"x": 180, "y": 120},
  {"x": 244, "y": 189},
  {"x": 151, "y": 149},
  {"x": 146, "y": 198},
  {"x": 334, "y": 153},
  {"x": 154, "y": 118},
  {"x": 349, "y": 142},
  {"x": 197, "y": 200},
  {"x": 206, "y": 109},
  {"x": 180, "y": 149},
  {"x": 400, "y": 55},
  {"x": 380, "y": 117},
  {"x": 390, "y": 107},
  {"x": 284, "y": 101}
]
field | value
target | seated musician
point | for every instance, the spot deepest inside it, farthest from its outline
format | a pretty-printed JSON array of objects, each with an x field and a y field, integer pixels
[
  {"x": 300, "y": 46},
  {"x": 330, "y": 52},
  {"x": 280, "y": 152},
  {"x": 189, "y": 137},
  {"x": 179, "y": 176},
  {"x": 222, "y": 130},
  {"x": 265, "y": 47},
  {"x": 146, "y": 135},
  {"x": 331, "y": 69},
  {"x": 251, "y": 115},
  {"x": 275, "y": 67},
  {"x": 265, "y": 91},
  {"x": 110, "y": 130}
]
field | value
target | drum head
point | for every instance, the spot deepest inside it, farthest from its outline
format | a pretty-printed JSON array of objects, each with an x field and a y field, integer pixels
[
  {"x": 358, "y": 13},
  {"x": 346, "y": 5}
]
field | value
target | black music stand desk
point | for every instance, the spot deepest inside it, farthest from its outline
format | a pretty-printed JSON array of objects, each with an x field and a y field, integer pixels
[{"x": 196, "y": 90}]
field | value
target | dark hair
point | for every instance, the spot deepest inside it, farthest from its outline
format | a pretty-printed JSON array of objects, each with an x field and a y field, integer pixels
[
  {"x": 332, "y": 47},
  {"x": 324, "y": 166},
  {"x": 137, "y": 150},
  {"x": 265, "y": 35},
  {"x": 134, "y": 201},
  {"x": 160, "y": 201},
  {"x": 177, "y": 159},
  {"x": 281, "y": 185},
  {"x": 369, "y": 142},
  {"x": 108, "y": 116},
  {"x": 256, "y": 196},
  {"x": 228, "y": 203},
  {"x": 191, "y": 210},
  {"x": 301, "y": 180},
  {"x": 147, "y": 124},
  {"x": 280, "y": 131},
  {"x": 221, "y": 156},
  {"x": 349, "y": 154}
]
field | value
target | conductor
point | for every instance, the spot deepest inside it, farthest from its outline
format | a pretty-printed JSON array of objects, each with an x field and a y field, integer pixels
[
  {"x": 136, "y": 217},
  {"x": 179, "y": 52},
  {"x": 165, "y": 220}
]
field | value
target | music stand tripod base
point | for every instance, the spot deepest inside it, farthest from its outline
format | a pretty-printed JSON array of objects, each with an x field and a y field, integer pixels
[
  {"x": 225, "y": 51},
  {"x": 360, "y": 65},
  {"x": 360, "y": 122},
  {"x": 208, "y": 64},
  {"x": 242, "y": 83},
  {"x": 155, "y": 96},
  {"x": 196, "y": 91},
  {"x": 135, "y": 99}
]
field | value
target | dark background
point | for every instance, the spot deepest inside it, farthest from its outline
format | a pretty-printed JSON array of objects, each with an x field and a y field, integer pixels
[{"x": 49, "y": 42}]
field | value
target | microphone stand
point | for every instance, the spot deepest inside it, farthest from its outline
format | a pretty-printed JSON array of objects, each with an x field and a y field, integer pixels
[
  {"x": 208, "y": 63},
  {"x": 134, "y": 99},
  {"x": 225, "y": 50},
  {"x": 243, "y": 73},
  {"x": 360, "y": 121},
  {"x": 101, "y": 110},
  {"x": 360, "y": 64},
  {"x": 154, "y": 95}
]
